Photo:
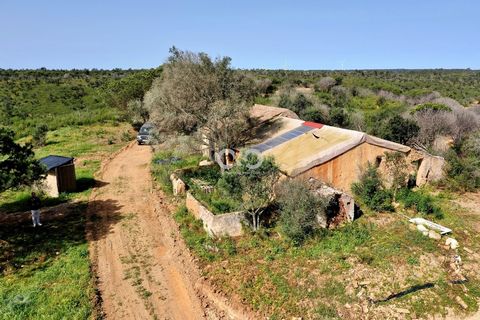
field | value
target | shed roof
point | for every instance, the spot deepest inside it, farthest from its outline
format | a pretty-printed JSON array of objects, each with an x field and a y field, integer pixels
[
  {"x": 52, "y": 161},
  {"x": 311, "y": 144}
]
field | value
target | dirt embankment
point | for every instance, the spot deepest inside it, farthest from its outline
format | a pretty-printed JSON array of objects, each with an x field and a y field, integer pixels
[{"x": 143, "y": 268}]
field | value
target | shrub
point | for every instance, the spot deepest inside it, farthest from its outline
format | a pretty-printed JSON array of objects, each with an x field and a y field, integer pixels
[
  {"x": 314, "y": 114},
  {"x": 126, "y": 136},
  {"x": 325, "y": 84},
  {"x": 463, "y": 165},
  {"x": 419, "y": 201},
  {"x": 40, "y": 135},
  {"x": 298, "y": 210},
  {"x": 371, "y": 191},
  {"x": 400, "y": 130},
  {"x": 430, "y": 106},
  {"x": 339, "y": 117}
]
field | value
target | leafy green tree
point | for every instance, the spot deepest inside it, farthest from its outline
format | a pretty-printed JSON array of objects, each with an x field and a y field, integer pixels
[
  {"x": 251, "y": 181},
  {"x": 198, "y": 95},
  {"x": 398, "y": 129},
  {"x": 18, "y": 166}
]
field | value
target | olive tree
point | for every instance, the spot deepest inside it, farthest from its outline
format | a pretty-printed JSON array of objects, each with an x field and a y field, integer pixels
[
  {"x": 252, "y": 183},
  {"x": 201, "y": 96}
]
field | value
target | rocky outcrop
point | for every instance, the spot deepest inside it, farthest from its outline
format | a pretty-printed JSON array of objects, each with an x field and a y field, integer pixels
[
  {"x": 341, "y": 206},
  {"x": 431, "y": 169}
]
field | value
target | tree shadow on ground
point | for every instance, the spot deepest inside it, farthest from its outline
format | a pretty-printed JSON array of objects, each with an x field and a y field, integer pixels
[
  {"x": 22, "y": 202},
  {"x": 410, "y": 290},
  {"x": 89, "y": 183},
  {"x": 23, "y": 246}
]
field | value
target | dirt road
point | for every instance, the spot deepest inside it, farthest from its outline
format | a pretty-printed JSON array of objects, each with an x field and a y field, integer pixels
[{"x": 139, "y": 272}]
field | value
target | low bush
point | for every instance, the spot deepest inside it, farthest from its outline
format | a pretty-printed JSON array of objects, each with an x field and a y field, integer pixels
[
  {"x": 419, "y": 201},
  {"x": 463, "y": 165},
  {"x": 430, "y": 106},
  {"x": 371, "y": 191},
  {"x": 298, "y": 210},
  {"x": 40, "y": 135}
]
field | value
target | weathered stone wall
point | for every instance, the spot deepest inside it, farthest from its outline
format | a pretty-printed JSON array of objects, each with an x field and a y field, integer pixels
[{"x": 227, "y": 224}]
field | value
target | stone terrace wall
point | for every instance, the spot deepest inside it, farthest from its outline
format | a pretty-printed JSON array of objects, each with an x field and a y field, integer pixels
[{"x": 227, "y": 224}]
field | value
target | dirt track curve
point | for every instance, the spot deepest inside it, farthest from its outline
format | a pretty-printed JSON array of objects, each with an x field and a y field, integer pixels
[{"x": 136, "y": 261}]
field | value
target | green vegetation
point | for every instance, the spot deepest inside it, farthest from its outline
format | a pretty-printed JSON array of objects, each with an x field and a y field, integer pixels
[
  {"x": 430, "y": 106},
  {"x": 461, "y": 85},
  {"x": 18, "y": 166},
  {"x": 298, "y": 210},
  {"x": 420, "y": 201},
  {"x": 463, "y": 165},
  {"x": 39, "y": 137},
  {"x": 215, "y": 200},
  {"x": 251, "y": 182},
  {"x": 45, "y": 272},
  {"x": 370, "y": 190},
  {"x": 60, "y": 98},
  {"x": 164, "y": 163}
]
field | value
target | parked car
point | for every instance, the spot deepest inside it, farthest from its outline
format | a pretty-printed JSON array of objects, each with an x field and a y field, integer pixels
[{"x": 145, "y": 133}]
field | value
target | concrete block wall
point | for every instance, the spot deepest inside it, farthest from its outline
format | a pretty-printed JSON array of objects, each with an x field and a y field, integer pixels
[{"x": 227, "y": 224}]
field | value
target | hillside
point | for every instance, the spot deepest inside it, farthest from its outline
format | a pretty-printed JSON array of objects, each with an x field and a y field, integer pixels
[{"x": 61, "y": 98}]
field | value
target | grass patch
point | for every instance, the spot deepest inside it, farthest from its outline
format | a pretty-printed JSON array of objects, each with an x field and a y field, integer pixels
[
  {"x": 87, "y": 144},
  {"x": 46, "y": 271},
  {"x": 164, "y": 163}
]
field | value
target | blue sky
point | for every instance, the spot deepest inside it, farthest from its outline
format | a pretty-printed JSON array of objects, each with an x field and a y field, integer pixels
[{"x": 297, "y": 34}]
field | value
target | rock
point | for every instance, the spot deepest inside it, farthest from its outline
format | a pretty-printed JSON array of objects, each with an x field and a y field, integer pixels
[
  {"x": 364, "y": 308},
  {"x": 348, "y": 306},
  {"x": 422, "y": 229},
  {"x": 205, "y": 163},
  {"x": 452, "y": 243},
  {"x": 434, "y": 235},
  {"x": 430, "y": 170},
  {"x": 461, "y": 302},
  {"x": 360, "y": 293}
]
